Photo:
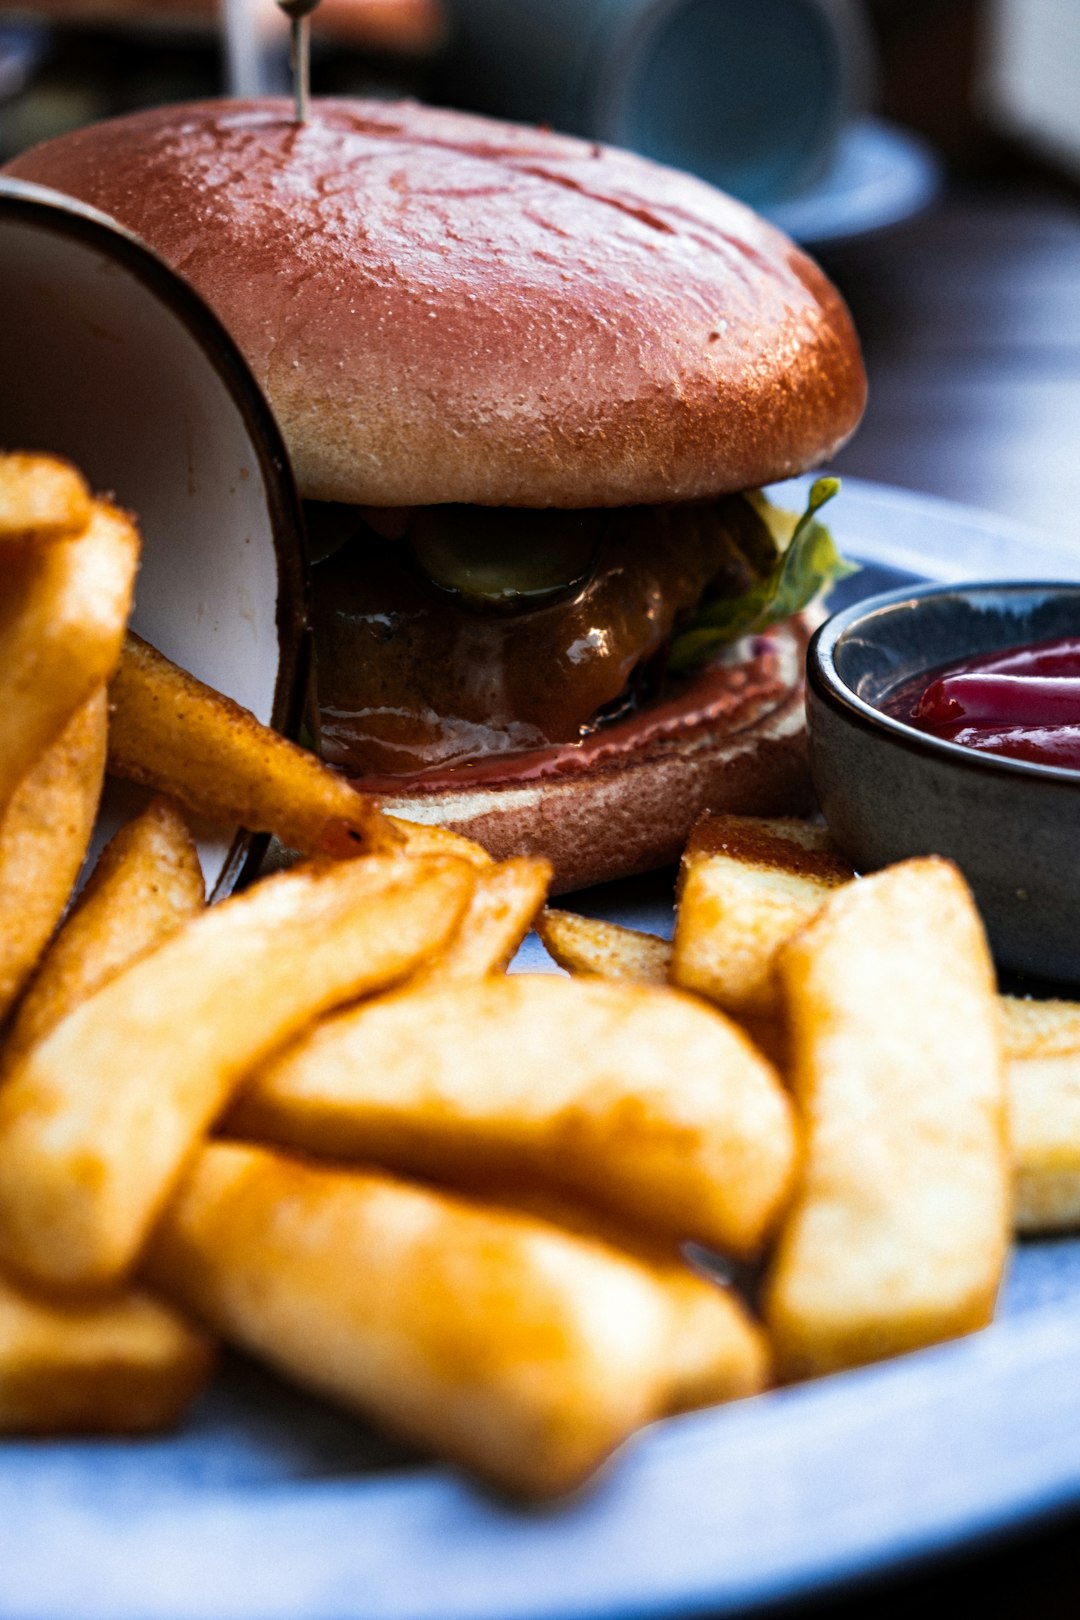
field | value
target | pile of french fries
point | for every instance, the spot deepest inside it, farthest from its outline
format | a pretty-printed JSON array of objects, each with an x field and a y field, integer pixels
[
  {"x": 938, "y": 1117},
  {"x": 319, "y": 1121}
]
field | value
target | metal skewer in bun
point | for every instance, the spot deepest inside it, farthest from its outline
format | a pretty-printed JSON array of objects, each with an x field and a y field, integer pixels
[{"x": 299, "y": 15}]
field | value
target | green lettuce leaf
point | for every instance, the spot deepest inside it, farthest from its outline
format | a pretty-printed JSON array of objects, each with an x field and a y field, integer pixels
[{"x": 807, "y": 565}]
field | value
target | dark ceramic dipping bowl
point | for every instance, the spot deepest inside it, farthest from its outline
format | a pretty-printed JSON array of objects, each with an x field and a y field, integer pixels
[{"x": 889, "y": 791}]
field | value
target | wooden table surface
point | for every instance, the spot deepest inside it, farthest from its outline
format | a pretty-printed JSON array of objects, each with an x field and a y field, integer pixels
[{"x": 970, "y": 319}]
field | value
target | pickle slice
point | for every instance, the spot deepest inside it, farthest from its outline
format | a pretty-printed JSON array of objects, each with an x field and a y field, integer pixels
[{"x": 505, "y": 558}]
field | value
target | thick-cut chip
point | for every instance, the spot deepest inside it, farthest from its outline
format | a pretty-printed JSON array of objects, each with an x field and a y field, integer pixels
[
  {"x": 648, "y": 1103},
  {"x": 1042, "y": 1051},
  {"x": 420, "y": 838},
  {"x": 63, "y": 608},
  {"x": 124, "y": 1364},
  {"x": 719, "y": 1353},
  {"x": 603, "y": 950},
  {"x": 171, "y": 732},
  {"x": 44, "y": 833},
  {"x": 588, "y": 947},
  {"x": 899, "y": 1233},
  {"x": 746, "y": 885},
  {"x": 146, "y": 884},
  {"x": 500, "y": 914},
  {"x": 497, "y": 1340},
  {"x": 41, "y": 498},
  {"x": 1039, "y": 1029},
  {"x": 97, "y": 1120}
]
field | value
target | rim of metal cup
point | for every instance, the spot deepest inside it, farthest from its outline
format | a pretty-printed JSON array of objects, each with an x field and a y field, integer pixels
[{"x": 52, "y": 210}]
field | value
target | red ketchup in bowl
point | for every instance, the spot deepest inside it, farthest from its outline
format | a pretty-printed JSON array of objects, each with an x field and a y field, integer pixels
[{"x": 1023, "y": 703}]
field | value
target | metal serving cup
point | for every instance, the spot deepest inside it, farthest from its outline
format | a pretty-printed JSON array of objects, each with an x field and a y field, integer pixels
[
  {"x": 109, "y": 358},
  {"x": 889, "y": 791}
]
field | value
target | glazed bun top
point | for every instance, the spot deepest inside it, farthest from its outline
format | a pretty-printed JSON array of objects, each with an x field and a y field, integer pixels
[{"x": 444, "y": 308}]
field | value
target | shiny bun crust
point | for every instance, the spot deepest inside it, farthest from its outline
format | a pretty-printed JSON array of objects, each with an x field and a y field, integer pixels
[
  {"x": 618, "y": 820},
  {"x": 445, "y": 308}
]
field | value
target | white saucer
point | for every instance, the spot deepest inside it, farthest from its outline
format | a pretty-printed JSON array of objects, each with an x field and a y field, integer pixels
[{"x": 880, "y": 175}]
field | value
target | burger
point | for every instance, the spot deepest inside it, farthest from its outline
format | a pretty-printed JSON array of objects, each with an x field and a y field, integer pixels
[{"x": 532, "y": 388}]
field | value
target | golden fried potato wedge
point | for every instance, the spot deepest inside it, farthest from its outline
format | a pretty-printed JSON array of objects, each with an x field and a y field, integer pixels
[
  {"x": 146, "y": 884},
  {"x": 63, "y": 608},
  {"x": 588, "y": 947},
  {"x": 1042, "y": 1051},
  {"x": 1039, "y": 1029},
  {"x": 505, "y": 1344},
  {"x": 44, "y": 834},
  {"x": 123, "y": 1364},
  {"x": 745, "y": 886},
  {"x": 899, "y": 1232},
  {"x": 419, "y": 838},
  {"x": 174, "y": 734},
  {"x": 649, "y": 1103},
  {"x": 718, "y": 1353},
  {"x": 96, "y": 1121},
  {"x": 603, "y": 950},
  {"x": 41, "y": 498},
  {"x": 499, "y": 915}
]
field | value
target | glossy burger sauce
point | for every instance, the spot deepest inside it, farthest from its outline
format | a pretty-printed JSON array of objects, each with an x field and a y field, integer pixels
[
  {"x": 1023, "y": 703},
  {"x": 429, "y": 673}
]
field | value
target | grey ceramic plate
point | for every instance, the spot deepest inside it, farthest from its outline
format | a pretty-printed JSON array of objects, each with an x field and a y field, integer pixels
[{"x": 270, "y": 1505}]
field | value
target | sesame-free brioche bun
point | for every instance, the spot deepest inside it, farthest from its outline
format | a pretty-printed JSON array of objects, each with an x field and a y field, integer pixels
[{"x": 442, "y": 308}]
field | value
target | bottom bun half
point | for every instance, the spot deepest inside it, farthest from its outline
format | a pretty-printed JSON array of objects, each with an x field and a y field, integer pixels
[{"x": 636, "y": 813}]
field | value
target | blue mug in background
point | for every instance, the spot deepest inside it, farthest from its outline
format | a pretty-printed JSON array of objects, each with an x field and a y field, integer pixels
[{"x": 750, "y": 94}]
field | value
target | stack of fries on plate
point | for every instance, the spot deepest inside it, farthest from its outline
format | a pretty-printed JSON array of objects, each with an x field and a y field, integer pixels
[{"x": 319, "y": 1120}]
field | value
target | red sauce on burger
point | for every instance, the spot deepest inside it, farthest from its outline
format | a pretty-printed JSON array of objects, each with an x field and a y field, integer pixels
[{"x": 725, "y": 696}]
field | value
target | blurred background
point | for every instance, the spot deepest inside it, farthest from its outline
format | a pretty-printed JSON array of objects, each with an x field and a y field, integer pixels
[{"x": 927, "y": 151}]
